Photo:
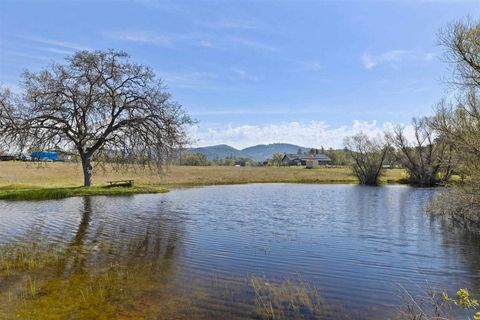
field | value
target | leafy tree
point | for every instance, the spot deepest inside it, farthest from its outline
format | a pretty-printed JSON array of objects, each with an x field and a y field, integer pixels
[
  {"x": 194, "y": 159},
  {"x": 339, "y": 157},
  {"x": 277, "y": 159},
  {"x": 97, "y": 103}
]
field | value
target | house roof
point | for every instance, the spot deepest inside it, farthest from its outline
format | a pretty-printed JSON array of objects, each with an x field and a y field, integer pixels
[{"x": 320, "y": 157}]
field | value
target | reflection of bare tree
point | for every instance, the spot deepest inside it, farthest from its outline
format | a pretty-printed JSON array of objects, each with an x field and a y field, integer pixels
[
  {"x": 74, "y": 257},
  {"x": 78, "y": 243},
  {"x": 463, "y": 242},
  {"x": 84, "y": 222},
  {"x": 149, "y": 244},
  {"x": 156, "y": 249}
]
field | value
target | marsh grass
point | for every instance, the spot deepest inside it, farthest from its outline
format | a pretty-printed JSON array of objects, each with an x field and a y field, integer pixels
[
  {"x": 22, "y": 192},
  {"x": 26, "y": 257}
]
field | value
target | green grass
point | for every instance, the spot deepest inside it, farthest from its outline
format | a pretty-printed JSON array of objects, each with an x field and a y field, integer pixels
[{"x": 23, "y": 192}]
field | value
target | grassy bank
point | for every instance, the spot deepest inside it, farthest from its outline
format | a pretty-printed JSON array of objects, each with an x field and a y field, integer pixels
[
  {"x": 22, "y": 192},
  {"x": 36, "y": 181}
]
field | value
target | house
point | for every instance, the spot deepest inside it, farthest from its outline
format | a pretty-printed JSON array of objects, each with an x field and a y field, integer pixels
[{"x": 312, "y": 160}]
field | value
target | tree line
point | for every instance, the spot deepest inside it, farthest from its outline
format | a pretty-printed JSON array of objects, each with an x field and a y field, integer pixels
[{"x": 187, "y": 158}]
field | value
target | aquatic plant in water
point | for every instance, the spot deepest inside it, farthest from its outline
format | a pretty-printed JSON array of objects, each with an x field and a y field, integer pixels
[{"x": 288, "y": 299}]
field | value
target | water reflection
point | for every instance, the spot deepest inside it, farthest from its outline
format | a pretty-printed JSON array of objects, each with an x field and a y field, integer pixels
[
  {"x": 465, "y": 245},
  {"x": 194, "y": 251},
  {"x": 75, "y": 250}
]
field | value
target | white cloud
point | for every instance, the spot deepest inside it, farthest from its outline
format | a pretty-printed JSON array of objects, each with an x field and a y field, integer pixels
[
  {"x": 205, "y": 44},
  {"x": 315, "y": 66},
  {"x": 311, "y": 134},
  {"x": 162, "y": 39},
  {"x": 254, "y": 44},
  {"x": 187, "y": 79},
  {"x": 143, "y": 37},
  {"x": 231, "y": 24},
  {"x": 57, "y": 50},
  {"x": 71, "y": 46},
  {"x": 394, "y": 57},
  {"x": 240, "y": 74},
  {"x": 20, "y": 54}
]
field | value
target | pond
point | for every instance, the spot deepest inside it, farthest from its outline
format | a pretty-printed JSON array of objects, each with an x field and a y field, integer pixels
[{"x": 230, "y": 252}]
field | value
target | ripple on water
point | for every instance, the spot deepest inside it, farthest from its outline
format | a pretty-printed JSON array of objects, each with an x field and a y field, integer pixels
[{"x": 355, "y": 244}]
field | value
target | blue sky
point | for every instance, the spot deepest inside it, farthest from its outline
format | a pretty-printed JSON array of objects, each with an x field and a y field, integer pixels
[{"x": 251, "y": 72}]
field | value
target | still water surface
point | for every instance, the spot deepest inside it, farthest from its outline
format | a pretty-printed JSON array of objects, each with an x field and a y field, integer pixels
[{"x": 192, "y": 253}]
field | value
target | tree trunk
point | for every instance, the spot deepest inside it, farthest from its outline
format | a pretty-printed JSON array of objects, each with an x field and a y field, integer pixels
[{"x": 87, "y": 171}]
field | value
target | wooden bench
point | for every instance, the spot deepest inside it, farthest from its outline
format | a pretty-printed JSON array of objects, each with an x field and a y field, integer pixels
[{"x": 120, "y": 183}]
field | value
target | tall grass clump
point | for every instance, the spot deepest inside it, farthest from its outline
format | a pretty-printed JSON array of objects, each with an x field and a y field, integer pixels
[{"x": 289, "y": 299}]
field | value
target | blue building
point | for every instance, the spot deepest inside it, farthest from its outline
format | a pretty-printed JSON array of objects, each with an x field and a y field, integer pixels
[{"x": 45, "y": 155}]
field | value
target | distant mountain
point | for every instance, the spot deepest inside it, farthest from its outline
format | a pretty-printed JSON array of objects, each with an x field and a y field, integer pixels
[
  {"x": 220, "y": 151},
  {"x": 259, "y": 152},
  {"x": 264, "y": 151}
]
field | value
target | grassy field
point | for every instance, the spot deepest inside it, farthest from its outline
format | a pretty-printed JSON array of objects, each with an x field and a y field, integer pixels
[{"x": 57, "y": 179}]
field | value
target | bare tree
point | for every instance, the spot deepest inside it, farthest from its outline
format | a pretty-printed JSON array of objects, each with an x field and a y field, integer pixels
[
  {"x": 459, "y": 122},
  {"x": 459, "y": 126},
  {"x": 368, "y": 157},
  {"x": 9, "y": 137},
  {"x": 462, "y": 43},
  {"x": 98, "y": 103},
  {"x": 424, "y": 158}
]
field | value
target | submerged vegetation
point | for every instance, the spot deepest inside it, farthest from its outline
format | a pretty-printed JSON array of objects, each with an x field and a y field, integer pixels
[
  {"x": 47, "y": 282},
  {"x": 289, "y": 299}
]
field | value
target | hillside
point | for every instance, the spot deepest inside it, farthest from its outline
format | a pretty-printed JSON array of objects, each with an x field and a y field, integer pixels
[
  {"x": 259, "y": 152},
  {"x": 220, "y": 151}
]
